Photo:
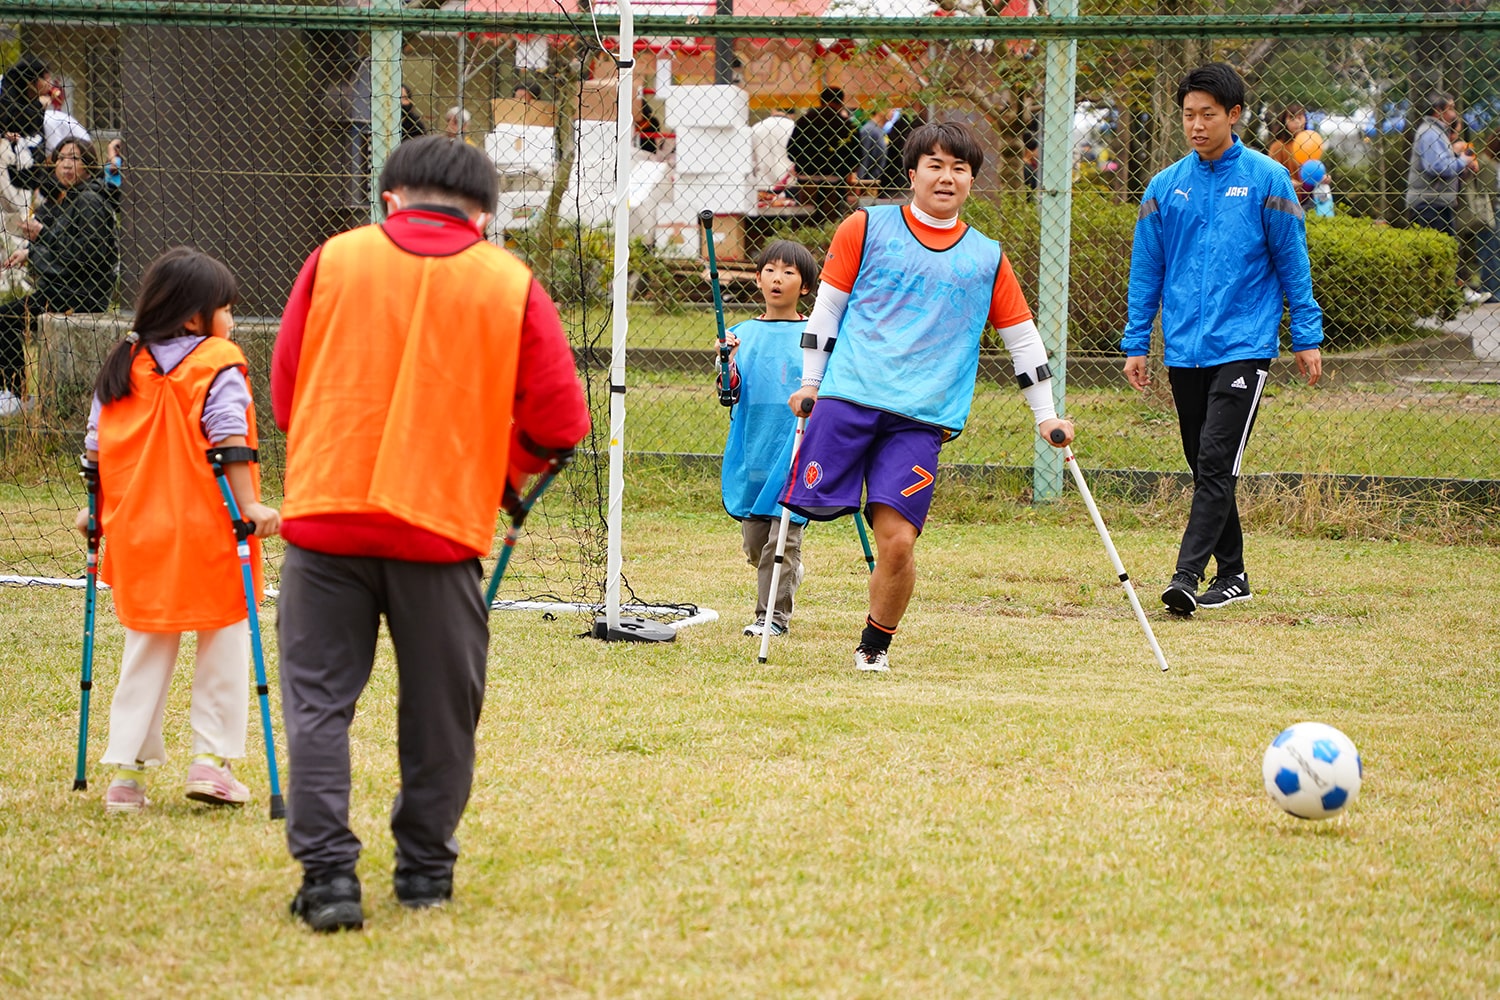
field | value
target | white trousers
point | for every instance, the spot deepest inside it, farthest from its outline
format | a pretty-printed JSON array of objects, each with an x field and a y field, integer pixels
[{"x": 220, "y": 708}]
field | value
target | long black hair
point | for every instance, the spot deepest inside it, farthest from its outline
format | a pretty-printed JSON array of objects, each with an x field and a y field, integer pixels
[
  {"x": 20, "y": 108},
  {"x": 179, "y": 284}
]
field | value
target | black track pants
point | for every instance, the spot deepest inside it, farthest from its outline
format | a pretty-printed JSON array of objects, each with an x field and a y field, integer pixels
[
  {"x": 328, "y": 616},
  {"x": 1215, "y": 412}
]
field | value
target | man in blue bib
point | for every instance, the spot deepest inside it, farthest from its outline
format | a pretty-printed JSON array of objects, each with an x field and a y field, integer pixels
[{"x": 890, "y": 356}]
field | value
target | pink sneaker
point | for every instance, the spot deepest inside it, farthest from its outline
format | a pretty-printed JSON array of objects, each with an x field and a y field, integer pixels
[
  {"x": 212, "y": 783},
  {"x": 125, "y": 795}
]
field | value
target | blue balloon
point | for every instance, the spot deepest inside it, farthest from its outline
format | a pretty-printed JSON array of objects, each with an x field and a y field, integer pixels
[{"x": 1313, "y": 171}]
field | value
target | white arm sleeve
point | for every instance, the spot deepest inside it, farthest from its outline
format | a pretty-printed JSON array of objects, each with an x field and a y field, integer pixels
[
  {"x": 822, "y": 330},
  {"x": 1029, "y": 355}
]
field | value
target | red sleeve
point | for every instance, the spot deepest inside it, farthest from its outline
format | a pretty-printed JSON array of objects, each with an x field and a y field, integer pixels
[
  {"x": 288, "y": 350},
  {"x": 550, "y": 408},
  {"x": 1007, "y": 303},
  {"x": 841, "y": 266}
]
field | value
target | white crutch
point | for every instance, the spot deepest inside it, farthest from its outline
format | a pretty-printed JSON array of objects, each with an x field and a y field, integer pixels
[
  {"x": 1058, "y": 437},
  {"x": 786, "y": 519}
]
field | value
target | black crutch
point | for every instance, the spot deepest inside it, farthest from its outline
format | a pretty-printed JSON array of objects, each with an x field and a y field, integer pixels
[
  {"x": 90, "y": 593},
  {"x": 242, "y": 531},
  {"x": 523, "y": 505}
]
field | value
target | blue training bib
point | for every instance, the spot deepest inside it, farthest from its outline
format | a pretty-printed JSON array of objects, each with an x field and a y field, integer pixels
[
  {"x": 909, "y": 340},
  {"x": 758, "y": 453}
]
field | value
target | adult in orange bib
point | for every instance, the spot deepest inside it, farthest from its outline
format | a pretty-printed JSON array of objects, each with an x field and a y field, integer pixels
[{"x": 418, "y": 369}]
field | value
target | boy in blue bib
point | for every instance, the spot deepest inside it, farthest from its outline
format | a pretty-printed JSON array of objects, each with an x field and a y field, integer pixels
[{"x": 766, "y": 368}]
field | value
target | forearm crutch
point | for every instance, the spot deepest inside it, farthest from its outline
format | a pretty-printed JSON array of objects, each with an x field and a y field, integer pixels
[
  {"x": 726, "y": 396},
  {"x": 559, "y": 461},
  {"x": 1114, "y": 557},
  {"x": 864, "y": 540},
  {"x": 90, "y": 592},
  {"x": 786, "y": 519},
  {"x": 242, "y": 531}
]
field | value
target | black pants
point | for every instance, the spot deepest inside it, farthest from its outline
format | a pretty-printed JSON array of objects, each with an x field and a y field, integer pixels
[
  {"x": 327, "y": 620},
  {"x": 1215, "y": 412},
  {"x": 13, "y": 321}
]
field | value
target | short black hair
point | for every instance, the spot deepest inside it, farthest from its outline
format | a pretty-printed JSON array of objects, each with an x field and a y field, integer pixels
[
  {"x": 1217, "y": 80},
  {"x": 795, "y": 254},
  {"x": 954, "y": 138},
  {"x": 440, "y": 165},
  {"x": 831, "y": 95},
  {"x": 1439, "y": 101}
]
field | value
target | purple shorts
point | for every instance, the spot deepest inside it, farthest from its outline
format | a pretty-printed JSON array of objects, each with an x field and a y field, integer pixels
[{"x": 850, "y": 452}]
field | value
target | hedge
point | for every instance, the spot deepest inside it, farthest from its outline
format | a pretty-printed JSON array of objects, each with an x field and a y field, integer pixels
[{"x": 1373, "y": 281}]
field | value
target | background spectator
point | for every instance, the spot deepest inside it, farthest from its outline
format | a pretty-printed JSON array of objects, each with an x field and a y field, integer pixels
[
  {"x": 74, "y": 257},
  {"x": 58, "y": 125},
  {"x": 1432, "y": 176},
  {"x": 456, "y": 124},
  {"x": 411, "y": 119},
  {"x": 1488, "y": 180},
  {"x": 904, "y": 121},
  {"x": 872, "y": 145},
  {"x": 825, "y": 152},
  {"x": 647, "y": 125},
  {"x": 25, "y": 83}
]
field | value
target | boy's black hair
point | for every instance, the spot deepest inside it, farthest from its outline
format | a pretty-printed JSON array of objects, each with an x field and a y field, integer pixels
[
  {"x": 439, "y": 165},
  {"x": 1217, "y": 80},
  {"x": 178, "y": 285},
  {"x": 795, "y": 254},
  {"x": 954, "y": 138},
  {"x": 1438, "y": 101}
]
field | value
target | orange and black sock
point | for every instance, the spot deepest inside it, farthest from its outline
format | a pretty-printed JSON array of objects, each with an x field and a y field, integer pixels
[{"x": 876, "y": 635}]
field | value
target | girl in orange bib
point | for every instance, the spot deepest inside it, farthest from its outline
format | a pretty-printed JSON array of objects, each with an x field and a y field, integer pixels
[{"x": 173, "y": 388}]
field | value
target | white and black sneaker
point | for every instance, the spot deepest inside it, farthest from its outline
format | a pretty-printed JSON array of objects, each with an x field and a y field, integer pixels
[
  {"x": 1225, "y": 590},
  {"x": 871, "y": 660},
  {"x": 758, "y": 627},
  {"x": 1181, "y": 595}
]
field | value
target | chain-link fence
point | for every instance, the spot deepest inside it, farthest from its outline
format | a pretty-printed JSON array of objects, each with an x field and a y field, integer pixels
[{"x": 253, "y": 131}]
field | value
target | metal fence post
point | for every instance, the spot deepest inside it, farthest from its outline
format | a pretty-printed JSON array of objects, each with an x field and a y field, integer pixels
[
  {"x": 385, "y": 101},
  {"x": 1055, "y": 211}
]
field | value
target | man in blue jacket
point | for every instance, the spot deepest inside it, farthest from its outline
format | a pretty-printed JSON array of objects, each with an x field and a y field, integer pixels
[{"x": 1220, "y": 242}]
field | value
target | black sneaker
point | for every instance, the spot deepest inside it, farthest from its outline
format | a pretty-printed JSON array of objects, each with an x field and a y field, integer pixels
[
  {"x": 1181, "y": 595},
  {"x": 418, "y": 892},
  {"x": 329, "y": 904},
  {"x": 1225, "y": 590}
]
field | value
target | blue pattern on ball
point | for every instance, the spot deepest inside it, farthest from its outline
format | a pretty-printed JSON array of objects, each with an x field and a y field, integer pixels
[
  {"x": 1334, "y": 800},
  {"x": 1325, "y": 750},
  {"x": 1282, "y": 737},
  {"x": 1287, "y": 781}
]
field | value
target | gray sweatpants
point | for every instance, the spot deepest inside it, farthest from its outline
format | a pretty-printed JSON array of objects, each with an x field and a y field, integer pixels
[
  {"x": 328, "y": 616},
  {"x": 758, "y": 535}
]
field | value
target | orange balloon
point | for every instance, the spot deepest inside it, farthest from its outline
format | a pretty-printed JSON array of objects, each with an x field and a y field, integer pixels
[{"x": 1307, "y": 145}]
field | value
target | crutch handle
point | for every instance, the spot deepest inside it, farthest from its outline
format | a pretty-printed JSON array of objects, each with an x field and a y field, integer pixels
[
  {"x": 1058, "y": 435},
  {"x": 806, "y": 407}
]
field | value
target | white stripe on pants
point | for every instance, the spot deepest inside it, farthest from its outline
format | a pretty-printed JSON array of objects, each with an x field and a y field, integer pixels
[{"x": 220, "y": 708}]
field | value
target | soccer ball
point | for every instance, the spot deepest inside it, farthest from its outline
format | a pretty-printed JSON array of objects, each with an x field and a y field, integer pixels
[{"x": 1312, "y": 771}]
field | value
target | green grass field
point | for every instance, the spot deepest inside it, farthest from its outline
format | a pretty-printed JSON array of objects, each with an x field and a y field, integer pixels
[{"x": 1025, "y": 806}]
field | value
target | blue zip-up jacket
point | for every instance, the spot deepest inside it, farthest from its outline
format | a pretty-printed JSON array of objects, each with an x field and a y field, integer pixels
[{"x": 1218, "y": 245}]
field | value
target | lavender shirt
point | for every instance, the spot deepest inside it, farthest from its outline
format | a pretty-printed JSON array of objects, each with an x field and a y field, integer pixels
[{"x": 223, "y": 410}]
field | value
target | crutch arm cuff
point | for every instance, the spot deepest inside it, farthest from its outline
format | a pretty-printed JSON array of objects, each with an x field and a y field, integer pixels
[
  {"x": 89, "y": 469},
  {"x": 224, "y": 456}
]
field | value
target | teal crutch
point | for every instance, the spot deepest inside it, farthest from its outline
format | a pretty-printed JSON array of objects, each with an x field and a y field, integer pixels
[
  {"x": 242, "y": 531},
  {"x": 864, "y": 540},
  {"x": 90, "y": 594}
]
